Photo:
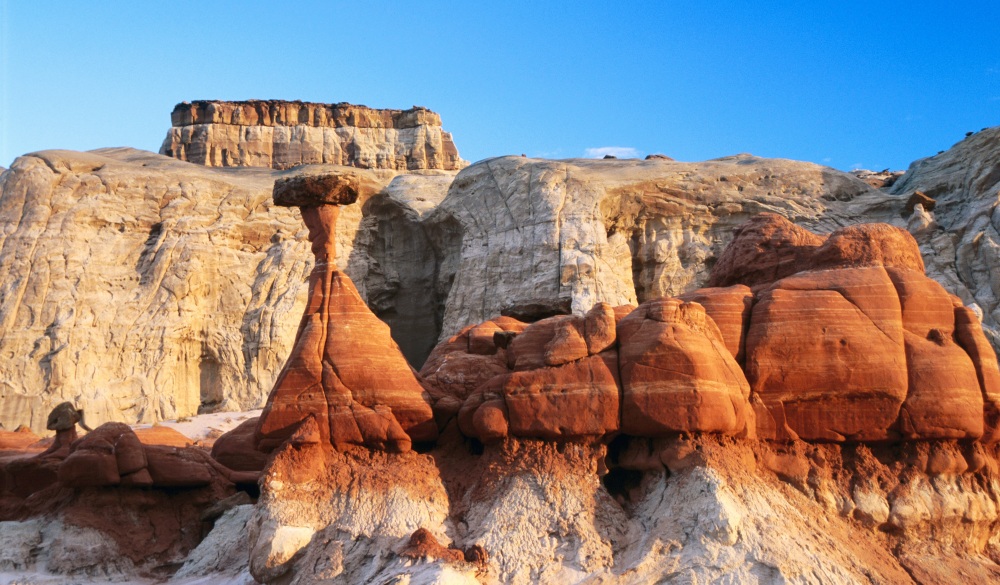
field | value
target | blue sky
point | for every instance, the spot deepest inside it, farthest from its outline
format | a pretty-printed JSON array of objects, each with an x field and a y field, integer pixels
[{"x": 847, "y": 84}]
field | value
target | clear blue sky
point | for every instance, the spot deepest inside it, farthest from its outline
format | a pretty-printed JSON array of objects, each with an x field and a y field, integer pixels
[{"x": 869, "y": 84}]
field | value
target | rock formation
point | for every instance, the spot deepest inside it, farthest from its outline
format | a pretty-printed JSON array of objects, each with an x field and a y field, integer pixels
[
  {"x": 544, "y": 237},
  {"x": 168, "y": 243},
  {"x": 344, "y": 374},
  {"x": 600, "y": 437},
  {"x": 822, "y": 411},
  {"x": 109, "y": 505},
  {"x": 143, "y": 288},
  {"x": 954, "y": 223},
  {"x": 282, "y": 134},
  {"x": 827, "y": 338}
]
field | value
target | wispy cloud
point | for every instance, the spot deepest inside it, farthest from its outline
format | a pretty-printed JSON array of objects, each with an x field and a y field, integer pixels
[
  {"x": 858, "y": 167},
  {"x": 615, "y": 151}
]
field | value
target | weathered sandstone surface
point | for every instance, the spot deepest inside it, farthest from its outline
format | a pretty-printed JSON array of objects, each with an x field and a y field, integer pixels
[
  {"x": 283, "y": 134},
  {"x": 955, "y": 220},
  {"x": 544, "y": 237},
  {"x": 633, "y": 407},
  {"x": 623, "y": 445}
]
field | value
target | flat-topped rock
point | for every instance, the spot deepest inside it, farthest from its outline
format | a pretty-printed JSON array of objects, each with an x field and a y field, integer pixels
[
  {"x": 282, "y": 134},
  {"x": 337, "y": 188}
]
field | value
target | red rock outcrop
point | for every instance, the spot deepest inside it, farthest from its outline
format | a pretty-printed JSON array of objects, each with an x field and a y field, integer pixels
[
  {"x": 344, "y": 371},
  {"x": 849, "y": 341},
  {"x": 236, "y": 449},
  {"x": 841, "y": 338},
  {"x": 555, "y": 379},
  {"x": 730, "y": 308},
  {"x": 969, "y": 335},
  {"x": 944, "y": 399},
  {"x": 659, "y": 369},
  {"x": 825, "y": 355},
  {"x": 768, "y": 248},
  {"x": 677, "y": 374},
  {"x": 282, "y": 134}
]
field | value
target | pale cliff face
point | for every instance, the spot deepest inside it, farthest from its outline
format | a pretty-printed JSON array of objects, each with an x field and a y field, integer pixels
[{"x": 144, "y": 288}]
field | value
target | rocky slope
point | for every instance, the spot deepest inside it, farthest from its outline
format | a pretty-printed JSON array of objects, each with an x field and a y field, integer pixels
[{"x": 281, "y": 134}]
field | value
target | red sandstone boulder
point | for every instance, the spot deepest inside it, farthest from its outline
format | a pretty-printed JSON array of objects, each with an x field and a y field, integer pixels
[
  {"x": 554, "y": 379},
  {"x": 89, "y": 468},
  {"x": 550, "y": 342},
  {"x": 869, "y": 244},
  {"x": 944, "y": 399},
  {"x": 177, "y": 468},
  {"x": 677, "y": 374},
  {"x": 969, "y": 335},
  {"x": 344, "y": 368},
  {"x": 483, "y": 415},
  {"x": 573, "y": 400},
  {"x": 461, "y": 364},
  {"x": 825, "y": 354},
  {"x": 102, "y": 457},
  {"x": 730, "y": 308},
  {"x": 766, "y": 248},
  {"x": 236, "y": 451}
]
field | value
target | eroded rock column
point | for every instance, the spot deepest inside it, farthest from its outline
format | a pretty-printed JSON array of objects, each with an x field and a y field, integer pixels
[{"x": 344, "y": 372}]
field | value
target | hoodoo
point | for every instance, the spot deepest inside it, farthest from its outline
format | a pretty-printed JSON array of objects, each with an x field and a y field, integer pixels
[{"x": 345, "y": 372}]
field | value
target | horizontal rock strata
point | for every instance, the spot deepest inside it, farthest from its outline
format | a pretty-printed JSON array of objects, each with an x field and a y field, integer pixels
[{"x": 280, "y": 135}]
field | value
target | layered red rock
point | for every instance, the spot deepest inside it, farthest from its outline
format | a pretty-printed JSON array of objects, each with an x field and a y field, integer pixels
[
  {"x": 564, "y": 382},
  {"x": 969, "y": 334},
  {"x": 555, "y": 379},
  {"x": 236, "y": 449},
  {"x": 730, "y": 308},
  {"x": 677, "y": 374},
  {"x": 850, "y": 341},
  {"x": 766, "y": 248},
  {"x": 944, "y": 399},
  {"x": 345, "y": 371},
  {"x": 825, "y": 354},
  {"x": 769, "y": 247}
]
